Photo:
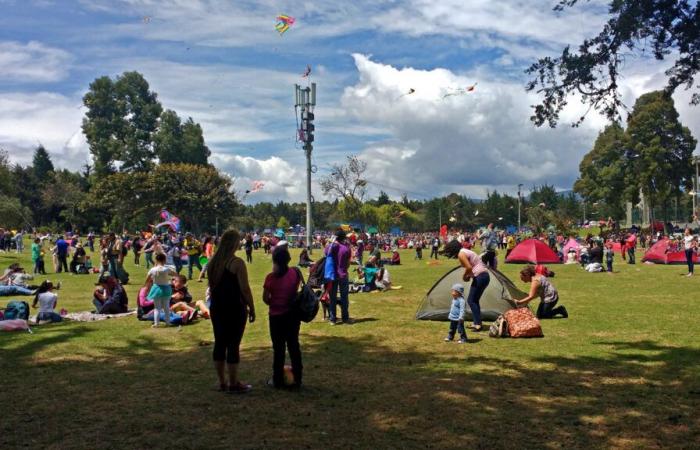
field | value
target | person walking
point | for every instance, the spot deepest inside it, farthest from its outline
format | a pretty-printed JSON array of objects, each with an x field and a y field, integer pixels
[
  {"x": 231, "y": 305},
  {"x": 340, "y": 253},
  {"x": 279, "y": 293},
  {"x": 248, "y": 249},
  {"x": 62, "y": 255}
]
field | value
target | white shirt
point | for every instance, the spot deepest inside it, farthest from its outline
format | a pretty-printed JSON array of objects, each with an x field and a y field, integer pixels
[
  {"x": 161, "y": 274},
  {"x": 47, "y": 302},
  {"x": 688, "y": 241}
]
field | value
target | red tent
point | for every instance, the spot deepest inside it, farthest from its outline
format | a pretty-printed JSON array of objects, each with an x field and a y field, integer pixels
[
  {"x": 532, "y": 251},
  {"x": 659, "y": 254}
]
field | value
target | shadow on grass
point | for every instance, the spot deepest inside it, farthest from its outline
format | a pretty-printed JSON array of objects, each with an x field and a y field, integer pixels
[{"x": 358, "y": 393}]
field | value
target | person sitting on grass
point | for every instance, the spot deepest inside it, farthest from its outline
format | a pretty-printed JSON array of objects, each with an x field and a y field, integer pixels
[
  {"x": 383, "y": 279},
  {"x": 47, "y": 300},
  {"x": 181, "y": 299},
  {"x": 541, "y": 287},
  {"x": 456, "y": 316},
  {"x": 304, "y": 259},
  {"x": 112, "y": 298},
  {"x": 159, "y": 289}
]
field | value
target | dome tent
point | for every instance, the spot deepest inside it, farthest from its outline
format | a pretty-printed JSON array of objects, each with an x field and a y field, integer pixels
[
  {"x": 659, "y": 254},
  {"x": 532, "y": 251},
  {"x": 497, "y": 298}
]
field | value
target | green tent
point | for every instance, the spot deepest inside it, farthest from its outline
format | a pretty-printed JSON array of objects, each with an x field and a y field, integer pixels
[
  {"x": 372, "y": 230},
  {"x": 497, "y": 298}
]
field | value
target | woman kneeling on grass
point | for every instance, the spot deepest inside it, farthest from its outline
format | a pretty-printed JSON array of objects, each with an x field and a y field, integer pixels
[
  {"x": 231, "y": 305},
  {"x": 279, "y": 292},
  {"x": 541, "y": 287}
]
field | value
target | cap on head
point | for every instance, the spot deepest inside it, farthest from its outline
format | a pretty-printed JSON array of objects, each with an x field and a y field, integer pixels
[{"x": 458, "y": 287}]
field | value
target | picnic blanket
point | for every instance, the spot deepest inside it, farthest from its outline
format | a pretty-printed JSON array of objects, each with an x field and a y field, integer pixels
[{"x": 87, "y": 316}]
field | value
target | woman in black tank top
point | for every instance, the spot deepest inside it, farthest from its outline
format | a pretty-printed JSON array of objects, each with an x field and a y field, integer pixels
[{"x": 231, "y": 305}]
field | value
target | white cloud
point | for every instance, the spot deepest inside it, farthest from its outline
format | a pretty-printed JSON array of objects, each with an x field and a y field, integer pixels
[
  {"x": 50, "y": 119},
  {"x": 32, "y": 62}
]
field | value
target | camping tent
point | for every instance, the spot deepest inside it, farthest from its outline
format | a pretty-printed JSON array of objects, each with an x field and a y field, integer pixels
[
  {"x": 534, "y": 252},
  {"x": 496, "y": 299},
  {"x": 571, "y": 244},
  {"x": 659, "y": 254}
]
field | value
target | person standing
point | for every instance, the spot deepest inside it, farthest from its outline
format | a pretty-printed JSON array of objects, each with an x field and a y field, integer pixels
[
  {"x": 434, "y": 247},
  {"x": 62, "y": 254},
  {"x": 231, "y": 305},
  {"x": 456, "y": 315},
  {"x": 194, "y": 250},
  {"x": 631, "y": 245},
  {"x": 19, "y": 241},
  {"x": 340, "y": 253},
  {"x": 690, "y": 245},
  {"x": 249, "y": 249},
  {"x": 279, "y": 293},
  {"x": 489, "y": 240},
  {"x": 36, "y": 255},
  {"x": 476, "y": 271}
]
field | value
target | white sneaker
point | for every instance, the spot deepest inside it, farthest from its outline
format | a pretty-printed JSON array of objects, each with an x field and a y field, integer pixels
[{"x": 689, "y": 275}]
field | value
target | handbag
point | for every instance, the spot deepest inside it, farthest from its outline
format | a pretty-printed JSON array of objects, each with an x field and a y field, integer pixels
[{"x": 306, "y": 303}]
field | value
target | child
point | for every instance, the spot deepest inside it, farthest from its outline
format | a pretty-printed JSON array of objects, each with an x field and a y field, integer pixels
[
  {"x": 36, "y": 255},
  {"x": 609, "y": 256},
  {"x": 160, "y": 292},
  {"x": 47, "y": 301},
  {"x": 457, "y": 315}
]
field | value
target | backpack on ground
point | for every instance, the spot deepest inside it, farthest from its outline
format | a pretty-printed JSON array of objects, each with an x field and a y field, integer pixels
[
  {"x": 499, "y": 328},
  {"x": 17, "y": 310},
  {"x": 306, "y": 303},
  {"x": 522, "y": 323}
]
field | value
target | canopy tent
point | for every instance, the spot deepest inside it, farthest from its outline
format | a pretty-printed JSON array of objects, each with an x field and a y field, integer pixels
[
  {"x": 496, "y": 299},
  {"x": 571, "y": 244},
  {"x": 659, "y": 254},
  {"x": 532, "y": 251}
]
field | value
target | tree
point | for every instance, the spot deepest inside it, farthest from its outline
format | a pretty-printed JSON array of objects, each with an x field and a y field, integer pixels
[
  {"x": 544, "y": 194},
  {"x": 602, "y": 170},
  {"x": 667, "y": 27},
  {"x": 347, "y": 182},
  {"x": 283, "y": 223},
  {"x": 660, "y": 150},
  {"x": 42, "y": 164},
  {"x": 175, "y": 142},
  {"x": 119, "y": 124}
]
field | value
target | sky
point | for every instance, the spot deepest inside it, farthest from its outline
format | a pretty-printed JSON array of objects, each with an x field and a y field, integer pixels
[{"x": 224, "y": 64}]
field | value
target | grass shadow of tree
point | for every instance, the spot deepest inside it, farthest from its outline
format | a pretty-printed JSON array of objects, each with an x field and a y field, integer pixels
[{"x": 358, "y": 393}]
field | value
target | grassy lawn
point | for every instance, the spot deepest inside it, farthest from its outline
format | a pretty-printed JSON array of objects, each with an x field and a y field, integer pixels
[{"x": 622, "y": 371}]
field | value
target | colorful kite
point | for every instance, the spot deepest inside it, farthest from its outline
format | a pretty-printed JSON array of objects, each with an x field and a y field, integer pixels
[
  {"x": 460, "y": 91},
  {"x": 255, "y": 187},
  {"x": 307, "y": 72},
  {"x": 410, "y": 91},
  {"x": 283, "y": 23},
  {"x": 170, "y": 220},
  {"x": 146, "y": 19}
]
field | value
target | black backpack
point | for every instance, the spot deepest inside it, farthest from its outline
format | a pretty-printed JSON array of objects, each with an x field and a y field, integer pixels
[
  {"x": 316, "y": 272},
  {"x": 306, "y": 303}
]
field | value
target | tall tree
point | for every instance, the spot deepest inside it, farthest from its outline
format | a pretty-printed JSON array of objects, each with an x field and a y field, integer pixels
[
  {"x": 167, "y": 141},
  {"x": 119, "y": 124},
  {"x": 194, "y": 149},
  {"x": 666, "y": 27},
  {"x": 660, "y": 149},
  {"x": 347, "y": 182},
  {"x": 602, "y": 170},
  {"x": 42, "y": 164}
]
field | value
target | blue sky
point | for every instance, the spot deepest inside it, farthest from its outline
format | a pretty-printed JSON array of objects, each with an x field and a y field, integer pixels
[{"x": 223, "y": 64}]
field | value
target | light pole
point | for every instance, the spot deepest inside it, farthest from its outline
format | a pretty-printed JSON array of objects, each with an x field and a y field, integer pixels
[
  {"x": 306, "y": 100},
  {"x": 519, "y": 200}
]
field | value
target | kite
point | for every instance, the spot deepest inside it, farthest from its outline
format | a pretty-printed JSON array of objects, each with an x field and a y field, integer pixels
[
  {"x": 255, "y": 187},
  {"x": 410, "y": 91},
  {"x": 460, "y": 91},
  {"x": 146, "y": 19},
  {"x": 476, "y": 213},
  {"x": 170, "y": 220},
  {"x": 283, "y": 23},
  {"x": 453, "y": 219},
  {"x": 307, "y": 72}
]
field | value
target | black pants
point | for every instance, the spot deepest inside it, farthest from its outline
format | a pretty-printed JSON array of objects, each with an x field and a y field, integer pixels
[
  {"x": 249, "y": 255},
  {"x": 229, "y": 325},
  {"x": 62, "y": 264},
  {"x": 489, "y": 259},
  {"x": 434, "y": 252},
  {"x": 548, "y": 310},
  {"x": 284, "y": 331},
  {"x": 689, "y": 257}
]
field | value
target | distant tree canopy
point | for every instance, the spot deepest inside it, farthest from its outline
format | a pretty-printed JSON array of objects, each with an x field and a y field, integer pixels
[{"x": 667, "y": 28}]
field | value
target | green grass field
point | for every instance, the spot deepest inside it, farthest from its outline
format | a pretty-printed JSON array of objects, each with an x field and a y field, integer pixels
[{"x": 622, "y": 371}]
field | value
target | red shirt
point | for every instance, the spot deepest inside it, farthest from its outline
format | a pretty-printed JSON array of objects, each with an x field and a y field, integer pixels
[{"x": 282, "y": 291}]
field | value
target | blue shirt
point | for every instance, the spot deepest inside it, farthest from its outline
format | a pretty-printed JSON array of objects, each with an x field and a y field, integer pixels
[
  {"x": 62, "y": 247},
  {"x": 457, "y": 309}
]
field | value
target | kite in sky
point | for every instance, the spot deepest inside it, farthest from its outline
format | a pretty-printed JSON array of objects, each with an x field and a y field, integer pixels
[
  {"x": 307, "y": 72},
  {"x": 410, "y": 91},
  {"x": 146, "y": 19},
  {"x": 460, "y": 91},
  {"x": 255, "y": 187},
  {"x": 170, "y": 220},
  {"x": 283, "y": 23}
]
